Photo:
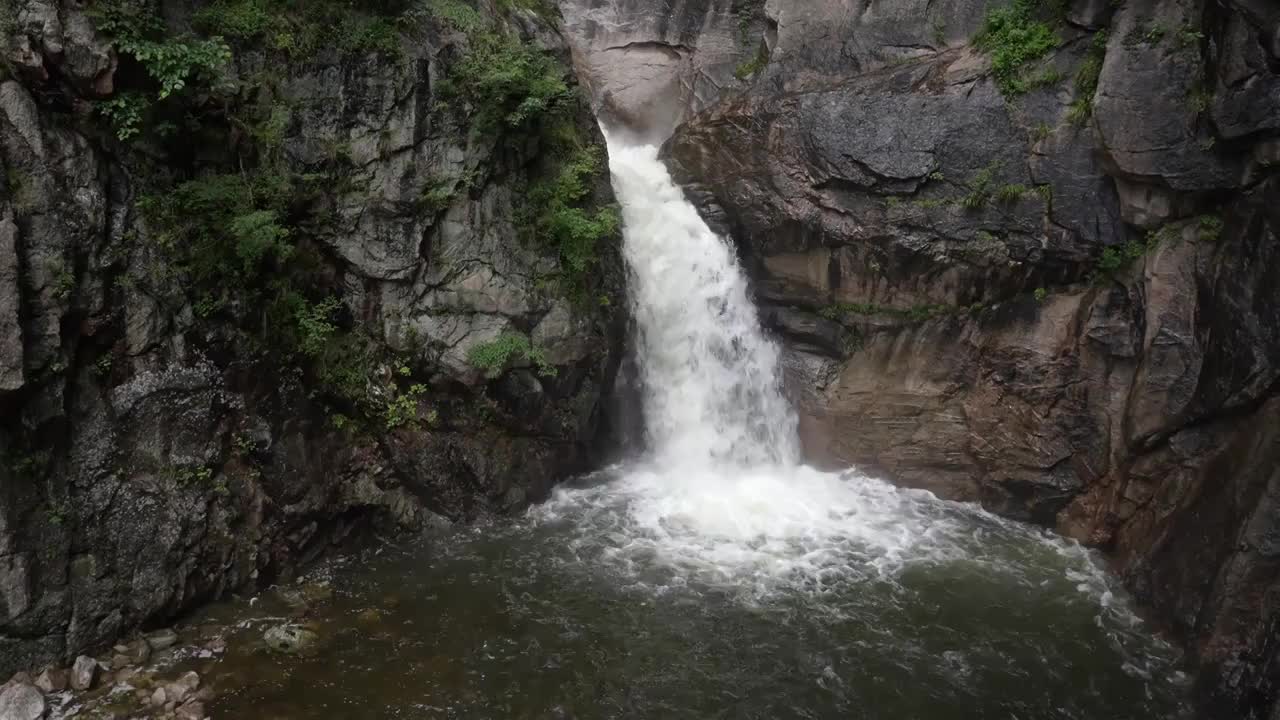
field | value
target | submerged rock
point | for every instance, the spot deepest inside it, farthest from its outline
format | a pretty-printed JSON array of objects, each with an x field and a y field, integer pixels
[
  {"x": 290, "y": 639},
  {"x": 162, "y": 639}
]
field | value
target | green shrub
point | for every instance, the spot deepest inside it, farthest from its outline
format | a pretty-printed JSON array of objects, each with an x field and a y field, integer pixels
[
  {"x": 558, "y": 218},
  {"x": 136, "y": 29},
  {"x": 1210, "y": 227},
  {"x": 1040, "y": 294},
  {"x": 403, "y": 408},
  {"x": 458, "y": 14},
  {"x": 1086, "y": 83},
  {"x": 125, "y": 112},
  {"x": 980, "y": 188},
  {"x": 493, "y": 356},
  {"x": 1011, "y": 193},
  {"x": 303, "y": 29},
  {"x": 315, "y": 325},
  {"x": 509, "y": 83},
  {"x": 1014, "y": 38}
]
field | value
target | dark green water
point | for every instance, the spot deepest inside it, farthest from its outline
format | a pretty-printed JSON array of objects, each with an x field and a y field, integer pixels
[{"x": 601, "y": 606}]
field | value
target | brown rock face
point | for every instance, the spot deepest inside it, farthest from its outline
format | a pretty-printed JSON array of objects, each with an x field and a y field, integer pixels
[{"x": 1071, "y": 316}]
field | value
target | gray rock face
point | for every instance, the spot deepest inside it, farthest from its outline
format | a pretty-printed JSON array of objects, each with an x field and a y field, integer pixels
[
  {"x": 647, "y": 69},
  {"x": 1068, "y": 317},
  {"x": 155, "y": 454}
]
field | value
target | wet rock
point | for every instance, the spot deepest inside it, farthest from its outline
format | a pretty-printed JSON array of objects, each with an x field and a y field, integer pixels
[
  {"x": 193, "y": 710},
  {"x": 159, "y": 697},
  {"x": 369, "y": 616},
  {"x": 21, "y": 702},
  {"x": 183, "y": 688},
  {"x": 52, "y": 680},
  {"x": 129, "y": 676},
  {"x": 162, "y": 639},
  {"x": 290, "y": 639},
  {"x": 83, "y": 672},
  {"x": 135, "y": 652}
]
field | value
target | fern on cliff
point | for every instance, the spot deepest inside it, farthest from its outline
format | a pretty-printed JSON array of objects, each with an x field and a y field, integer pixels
[{"x": 1015, "y": 38}]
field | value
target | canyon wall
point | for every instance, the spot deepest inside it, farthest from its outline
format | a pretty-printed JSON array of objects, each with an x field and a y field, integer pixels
[
  {"x": 269, "y": 281},
  {"x": 1023, "y": 254}
]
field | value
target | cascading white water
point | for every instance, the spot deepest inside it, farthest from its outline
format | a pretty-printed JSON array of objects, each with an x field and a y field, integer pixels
[
  {"x": 721, "y": 496},
  {"x": 710, "y": 375}
]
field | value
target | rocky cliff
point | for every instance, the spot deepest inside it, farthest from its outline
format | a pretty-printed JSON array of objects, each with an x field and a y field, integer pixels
[
  {"x": 1019, "y": 253},
  {"x": 274, "y": 274}
]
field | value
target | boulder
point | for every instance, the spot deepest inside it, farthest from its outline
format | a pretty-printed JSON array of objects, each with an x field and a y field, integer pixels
[
  {"x": 83, "y": 672},
  {"x": 21, "y": 702}
]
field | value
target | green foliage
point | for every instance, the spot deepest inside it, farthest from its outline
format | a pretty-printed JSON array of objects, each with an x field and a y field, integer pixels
[
  {"x": 1144, "y": 35},
  {"x": 136, "y": 29},
  {"x": 1200, "y": 97},
  {"x": 436, "y": 196},
  {"x": 494, "y": 356},
  {"x": 1015, "y": 38},
  {"x": 1040, "y": 294},
  {"x": 1189, "y": 36},
  {"x": 64, "y": 282},
  {"x": 258, "y": 235},
  {"x": 748, "y": 13},
  {"x": 315, "y": 325},
  {"x": 403, "y": 409},
  {"x": 1210, "y": 227},
  {"x": 57, "y": 513},
  {"x": 980, "y": 188},
  {"x": 754, "y": 64},
  {"x": 509, "y": 83},
  {"x": 1117, "y": 258},
  {"x": 222, "y": 228},
  {"x": 125, "y": 112},
  {"x": 191, "y": 474},
  {"x": 1041, "y": 131},
  {"x": 22, "y": 189},
  {"x": 558, "y": 219},
  {"x": 303, "y": 29},
  {"x": 1010, "y": 193},
  {"x": 458, "y": 14},
  {"x": 1086, "y": 83}
]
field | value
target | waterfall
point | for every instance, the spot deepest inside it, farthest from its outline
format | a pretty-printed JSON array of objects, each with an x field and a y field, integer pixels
[
  {"x": 720, "y": 497},
  {"x": 711, "y": 380}
]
